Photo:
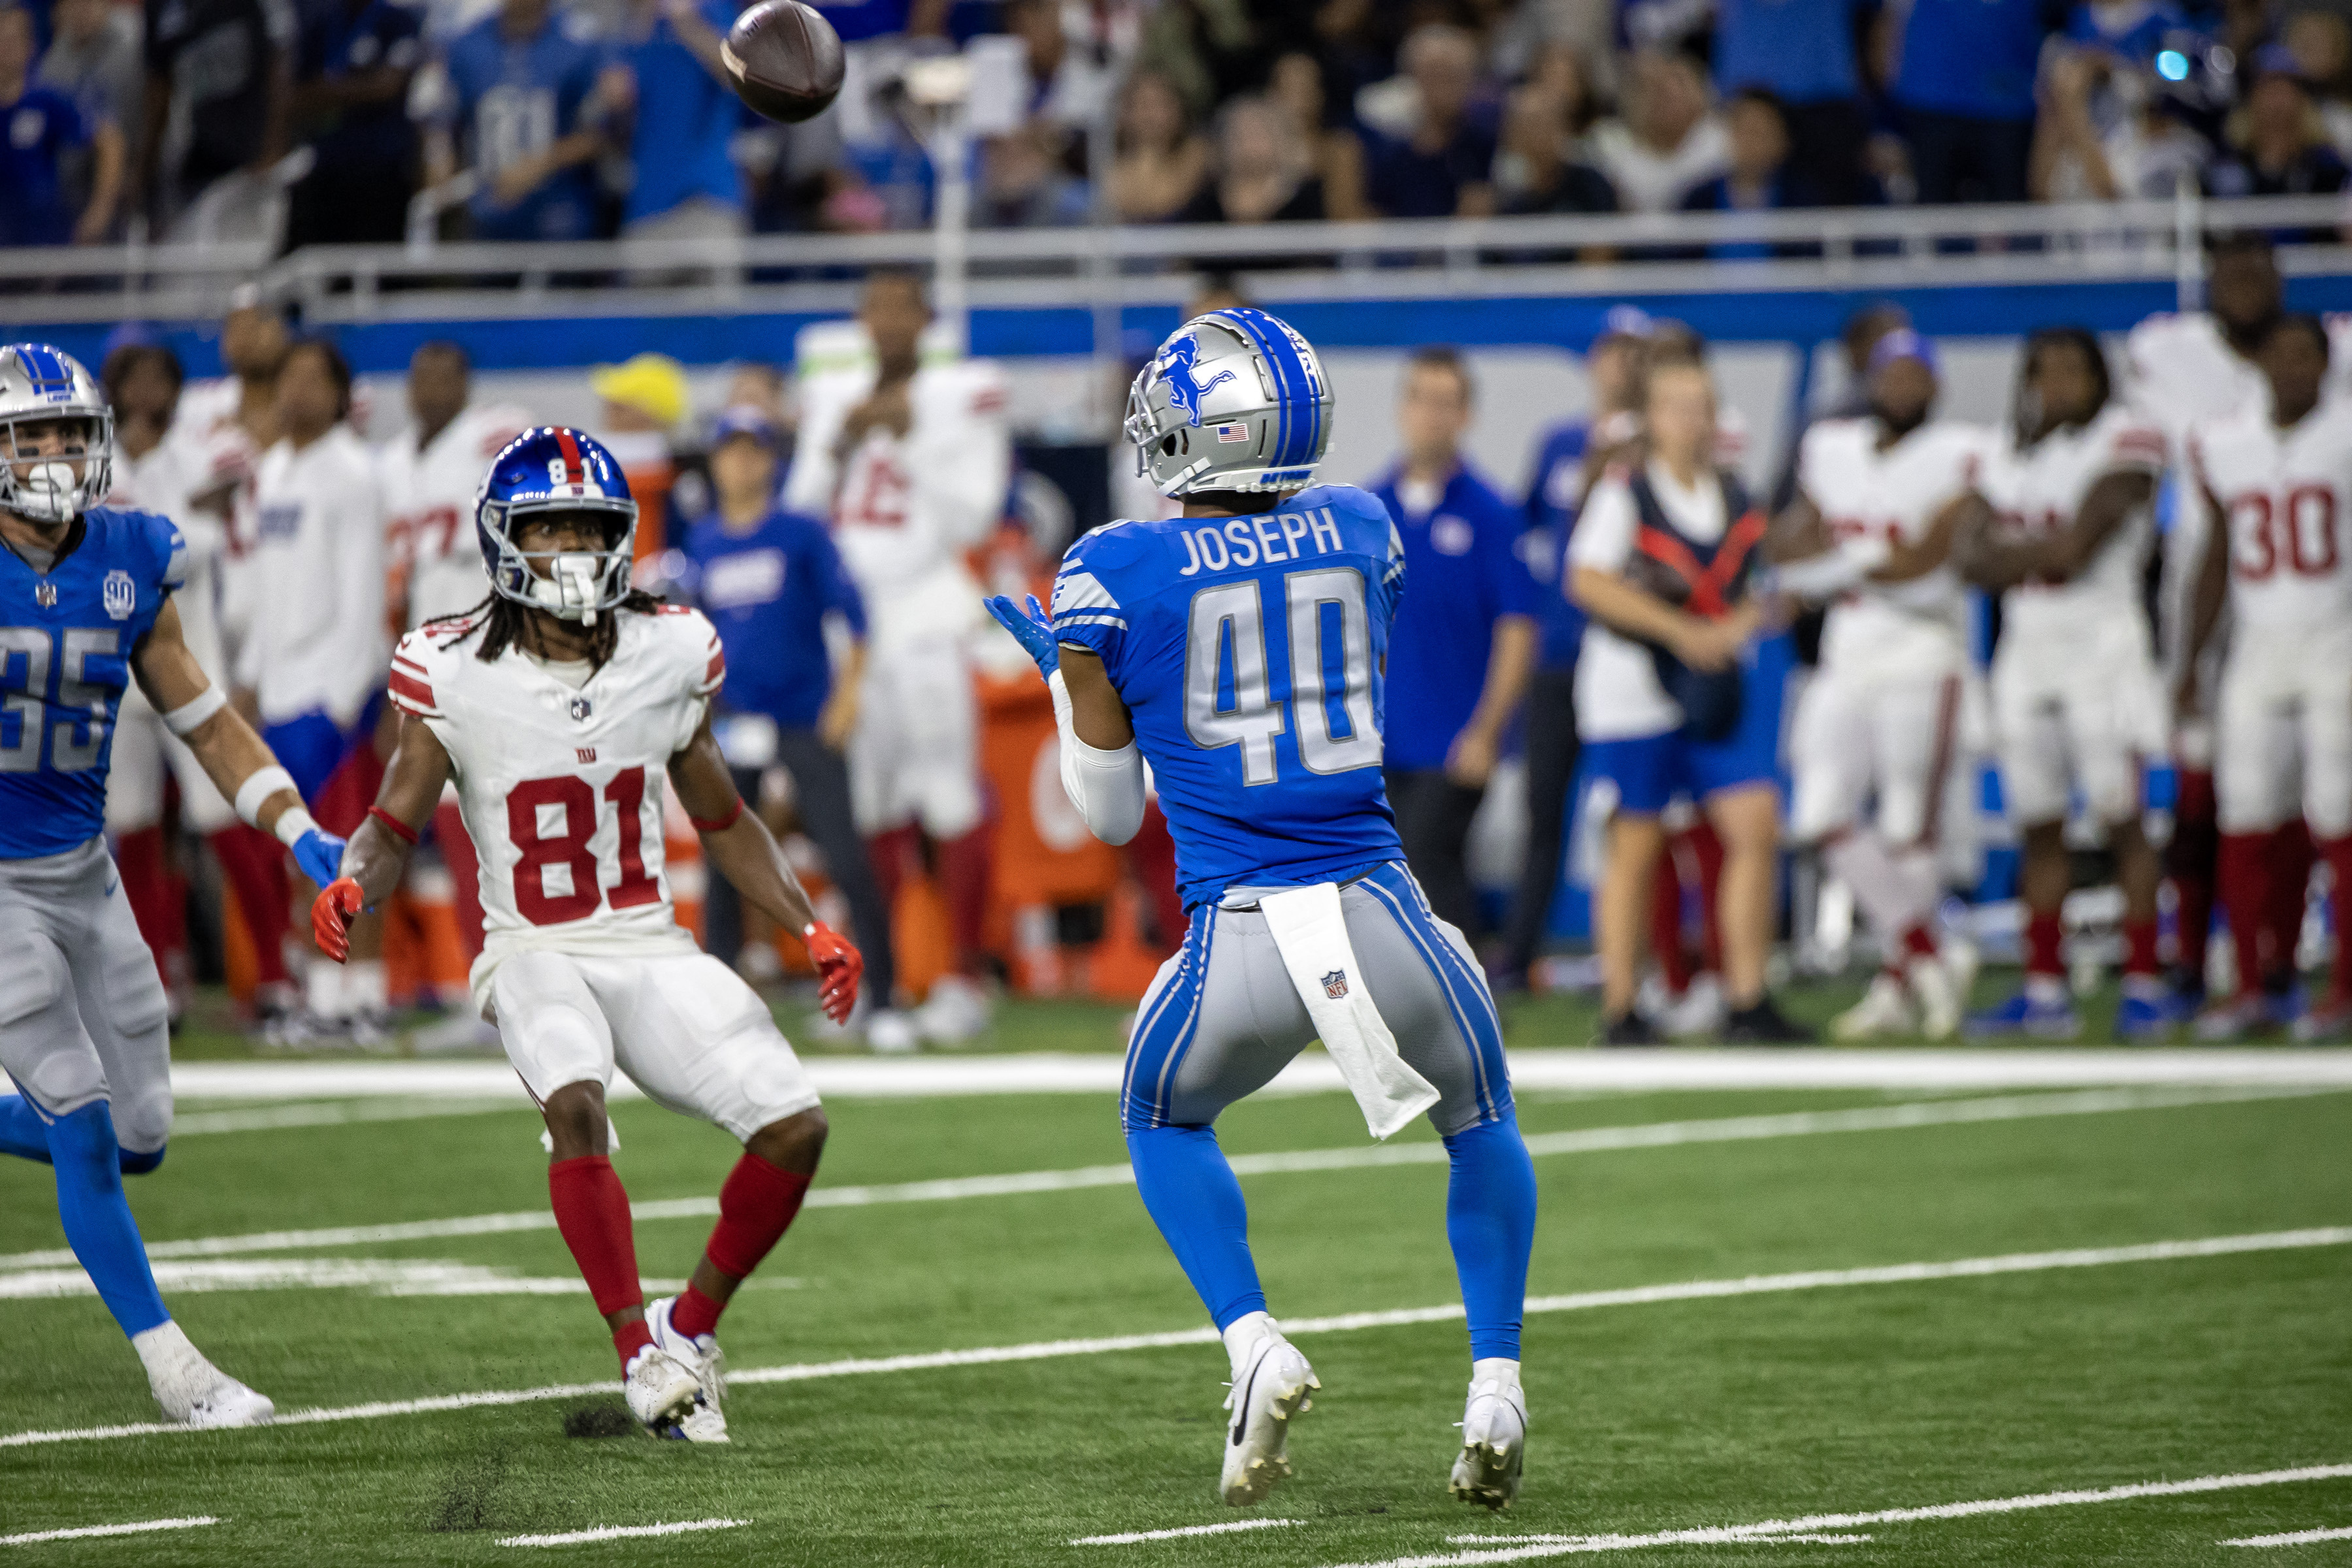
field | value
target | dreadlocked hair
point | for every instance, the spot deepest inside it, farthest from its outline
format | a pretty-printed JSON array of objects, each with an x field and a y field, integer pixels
[{"x": 505, "y": 623}]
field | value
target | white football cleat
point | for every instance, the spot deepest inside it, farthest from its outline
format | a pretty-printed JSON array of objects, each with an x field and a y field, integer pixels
[
  {"x": 1494, "y": 1436},
  {"x": 191, "y": 1389},
  {"x": 1270, "y": 1387},
  {"x": 956, "y": 1010},
  {"x": 1938, "y": 986},
  {"x": 1884, "y": 1009},
  {"x": 707, "y": 1422},
  {"x": 890, "y": 1033},
  {"x": 661, "y": 1390}
]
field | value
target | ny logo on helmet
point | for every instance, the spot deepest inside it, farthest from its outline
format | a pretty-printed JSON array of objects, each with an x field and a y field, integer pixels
[{"x": 1175, "y": 367}]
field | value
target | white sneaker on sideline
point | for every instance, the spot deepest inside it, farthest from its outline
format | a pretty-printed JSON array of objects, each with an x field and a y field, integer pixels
[
  {"x": 1936, "y": 982},
  {"x": 890, "y": 1033},
  {"x": 1884, "y": 1009},
  {"x": 191, "y": 1389},
  {"x": 956, "y": 1010},
  {"x": 1269, "y": 1387},
  {"x": 661, "y": 1390},
  {"x": 1698, "y": 1013},
  {"x": 707, "y": 1422},
  {"x": 1494, "y": 1436}
]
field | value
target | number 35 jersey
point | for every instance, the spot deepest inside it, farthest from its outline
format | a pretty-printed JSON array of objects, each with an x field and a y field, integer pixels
[
  {"x": 561, "y": 788},
  {"x": 1250, "y": 651}
]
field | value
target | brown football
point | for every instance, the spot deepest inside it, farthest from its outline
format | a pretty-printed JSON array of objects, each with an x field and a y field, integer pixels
[{"x": 784, "y": 60}]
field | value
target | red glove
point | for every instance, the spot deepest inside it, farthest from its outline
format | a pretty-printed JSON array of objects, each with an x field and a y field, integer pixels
[
  {"x": 331, "y": 914},
  {"x": 838, "y": 969}
]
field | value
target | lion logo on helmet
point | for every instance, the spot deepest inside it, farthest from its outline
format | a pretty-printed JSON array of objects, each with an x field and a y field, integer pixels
[{"x": 1184, "y": 388}]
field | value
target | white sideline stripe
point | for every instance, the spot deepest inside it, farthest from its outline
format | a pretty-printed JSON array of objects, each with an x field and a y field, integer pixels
[
  {"x": 623, "y": 1532},
  {"x": 1037, "y": 1072},
  {"x": 90, "y": 1532},
  {"x": 2300, "y": 1538},
  {"x": 330, "y": 1113},
  {"x": 1133, "y": 1536},
  {"x": 1584, "y": 1141},
  {"x": 1518, "y": 1549},
  {"x": 1048, "y": 1349},
  {"x": 383, "y": 1276}
]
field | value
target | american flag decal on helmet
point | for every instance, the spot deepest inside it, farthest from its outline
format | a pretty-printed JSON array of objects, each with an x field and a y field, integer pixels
[
  {"x": 1228, "y": 434},
  {"x": 1335, "y": 984}
]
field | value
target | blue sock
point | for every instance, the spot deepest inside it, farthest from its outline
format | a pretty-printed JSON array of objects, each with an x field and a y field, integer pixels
[
  {"x": 1490, "y": 1219},
  {"x": 21, "y": 1132},
  {"x": 99, "y": 1227},
  {"x": 1197, "y": 1204}
]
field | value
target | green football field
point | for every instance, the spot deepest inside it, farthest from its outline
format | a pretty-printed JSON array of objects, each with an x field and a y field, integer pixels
[{"x": 1727, "y": 1359}]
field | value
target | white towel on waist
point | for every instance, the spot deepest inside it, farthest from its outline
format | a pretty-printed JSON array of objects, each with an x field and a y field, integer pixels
[{"x": 1310, "y": 931}]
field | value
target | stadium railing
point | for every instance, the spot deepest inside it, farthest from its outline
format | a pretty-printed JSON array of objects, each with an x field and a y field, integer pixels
[{"x": 1105, "y": 268}]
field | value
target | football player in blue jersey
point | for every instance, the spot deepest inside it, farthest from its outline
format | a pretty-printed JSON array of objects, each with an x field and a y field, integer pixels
[
  {"x": 86, "y": 607},
  {"x": 1240, "y": 649}
]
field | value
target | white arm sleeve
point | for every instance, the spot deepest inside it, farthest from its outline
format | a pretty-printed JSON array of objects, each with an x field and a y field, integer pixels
[
  {"x": 1832, "y": 572},
  {"x": 1108, "y": 787}
]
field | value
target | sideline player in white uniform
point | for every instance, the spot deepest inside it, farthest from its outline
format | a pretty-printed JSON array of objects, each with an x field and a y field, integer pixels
[
  {"x": 1894, "y": 712},
  {"x": 2280, "y": 479},
  {"x": 86, "y": 608},
  {"x": 910, "y": 462},
  {"x": 559, "y": 709},
  {"x": 2076, "y": 699}
]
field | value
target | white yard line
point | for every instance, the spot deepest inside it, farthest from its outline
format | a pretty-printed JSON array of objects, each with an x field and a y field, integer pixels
[
  {"x": 1133, "y": 1536},
  {"x": 1532, "y": 1068},
  {"x": 1050, "y": 1350},
  {"x": 330, "y": 1113},
  {"x": 382, "y": 1276},
  {"x": 1525, "y": 1548},
  {"x": 623, "y": 1532},
  {"x": 90, "y": 1532},
  {"x": 1583, "y": 1141},
  {"x": 2299, "y": 1538}
]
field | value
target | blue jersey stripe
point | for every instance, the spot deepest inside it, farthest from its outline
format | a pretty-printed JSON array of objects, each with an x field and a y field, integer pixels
[{"x": 1284, "y": 362}]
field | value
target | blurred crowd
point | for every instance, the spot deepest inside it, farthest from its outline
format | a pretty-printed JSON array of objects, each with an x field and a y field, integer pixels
[{"x": 320, "y": 120}]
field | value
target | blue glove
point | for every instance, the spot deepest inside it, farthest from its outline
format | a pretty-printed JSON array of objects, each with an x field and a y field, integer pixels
[
  {"x": 320, "y": 854},
  {"x": 1034, "y": 630}
]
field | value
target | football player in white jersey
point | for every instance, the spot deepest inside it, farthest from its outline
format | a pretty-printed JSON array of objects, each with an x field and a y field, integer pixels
[
  {"x": 2076, "y": 699},
  {"x": 558, "y": 708},
  {"x": 2280, "y": 478},
  {"x": 909, "y": 461},
  {"x": 1894, "y": 712},
  {"x": 429, "y": 474}
]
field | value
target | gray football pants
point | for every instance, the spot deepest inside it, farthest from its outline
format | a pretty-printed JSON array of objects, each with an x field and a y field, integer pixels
[
  {"x": 83, "y": 1017},
  {"x": 1223, "y": 1016}
]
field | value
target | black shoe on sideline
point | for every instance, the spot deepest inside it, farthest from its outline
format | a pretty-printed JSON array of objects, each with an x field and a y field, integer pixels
[
  {"x": 1761, "y": 1024},
  {"x": 1628, "y": 1029}
]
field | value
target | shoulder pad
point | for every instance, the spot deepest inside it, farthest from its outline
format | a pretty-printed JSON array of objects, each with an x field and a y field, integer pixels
[{"x": 417, "y": 662}]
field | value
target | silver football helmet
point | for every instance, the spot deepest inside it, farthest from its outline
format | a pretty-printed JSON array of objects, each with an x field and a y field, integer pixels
[
  {"x": 1234, "y": 400},
  {"x": 39, "y": 384}
]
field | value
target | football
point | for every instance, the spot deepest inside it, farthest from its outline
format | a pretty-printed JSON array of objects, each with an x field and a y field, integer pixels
[{"x": 783, "y": 59}]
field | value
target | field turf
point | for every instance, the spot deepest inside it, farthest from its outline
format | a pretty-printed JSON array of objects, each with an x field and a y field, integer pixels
[{"x": 1651, "y": 1415}]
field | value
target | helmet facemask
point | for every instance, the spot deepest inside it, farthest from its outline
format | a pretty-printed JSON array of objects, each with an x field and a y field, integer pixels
[
  {"x": 41, "y": 487},
  {"x": 576, "y": 585}
]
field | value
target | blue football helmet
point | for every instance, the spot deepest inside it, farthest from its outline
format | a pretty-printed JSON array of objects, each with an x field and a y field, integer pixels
[
  {"x": 1234, "y": 400},
  {"x": 556, "y": 469},
  {"x": 45, "y": 386}
]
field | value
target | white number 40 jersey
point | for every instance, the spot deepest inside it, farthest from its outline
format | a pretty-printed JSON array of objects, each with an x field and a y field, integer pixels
[
  {"x": 2285, "y": 493},
  {"x": 561, "y": 789}
]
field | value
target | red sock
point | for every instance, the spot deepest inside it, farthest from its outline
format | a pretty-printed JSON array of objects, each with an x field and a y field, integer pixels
[
  {"x": 1707, "y": 845},
  {"x": 255, "y": 865},
  {"x": 592, "y": 1210},
  {"x": 2291, "y": 856},
  {"x": 756, "y": 1206},
  {"x": 2045, "y": 936},
  {"x": 888, "y": 851},
  {"x": 630, "y": 1338},
  {"x": 2188, "y": 864},
  {"x": 964, "y": 875},
  {"x": 158, "y": 902},
  {"x": 1919, "y": 942},
  {"x": 2139, "y": 947},
  {"x": 2338, "y": 852},
  {"x": 2245, "y": 887},
  {"x": 1666, "y": 923}
]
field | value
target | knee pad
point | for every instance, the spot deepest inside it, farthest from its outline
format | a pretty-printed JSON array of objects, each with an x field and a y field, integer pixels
[
  {"x": 33, "y": 977},
  {"x": 137, "y": 1165}
]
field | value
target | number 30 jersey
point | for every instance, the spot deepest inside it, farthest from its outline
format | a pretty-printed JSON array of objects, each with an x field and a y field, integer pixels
[
  {"x": 561, "y": 788},
  {"x": 1250, "y": 651},
  {"x": 2285, "y": 493}
]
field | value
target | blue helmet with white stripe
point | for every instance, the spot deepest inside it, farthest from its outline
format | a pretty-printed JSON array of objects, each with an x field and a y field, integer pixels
[
  {"x": 555, "y": 470},
  {"x": 1234, "y": 400},
  {"x": 42, "y": 385}
]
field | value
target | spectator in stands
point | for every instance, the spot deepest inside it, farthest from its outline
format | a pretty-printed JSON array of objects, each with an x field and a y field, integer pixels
[
  {"x": 2320, "y": 41},
  {"x": 354, "y": 60},
  {"x": 522, "y": 101},
  {"x": 1965, "y": 86},
  {"x": 1066, "y": 86},
  {"x": 859, "y": 20},
  {"x": 2280, "y": 147},
  {"x": 1759, "y": 177},
  {"x": 1161, "y": 162},
  {"x": 1804, "y": 52},
  {"x": 93, "y": 58},
  {"x": 1023, "y": 185},
  {"x": 1263, "y": 171},
  {"x": 1442, "y": 162},
  {"x": 1314, "y": 122},
  {"x": 1665, "y": 140},
  {"x": 217, "y": 71},
  {"x": 1465, "y": 639},
  {"x": 771, "y": 581},
  {"x": 1535, "y": 171},
  {"x": 44, "y": 132},
  {"x": 685, "y": 184}
]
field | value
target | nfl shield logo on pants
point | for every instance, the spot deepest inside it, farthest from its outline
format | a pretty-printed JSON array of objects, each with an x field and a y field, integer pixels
[{"x": 1335, "y": 984}]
